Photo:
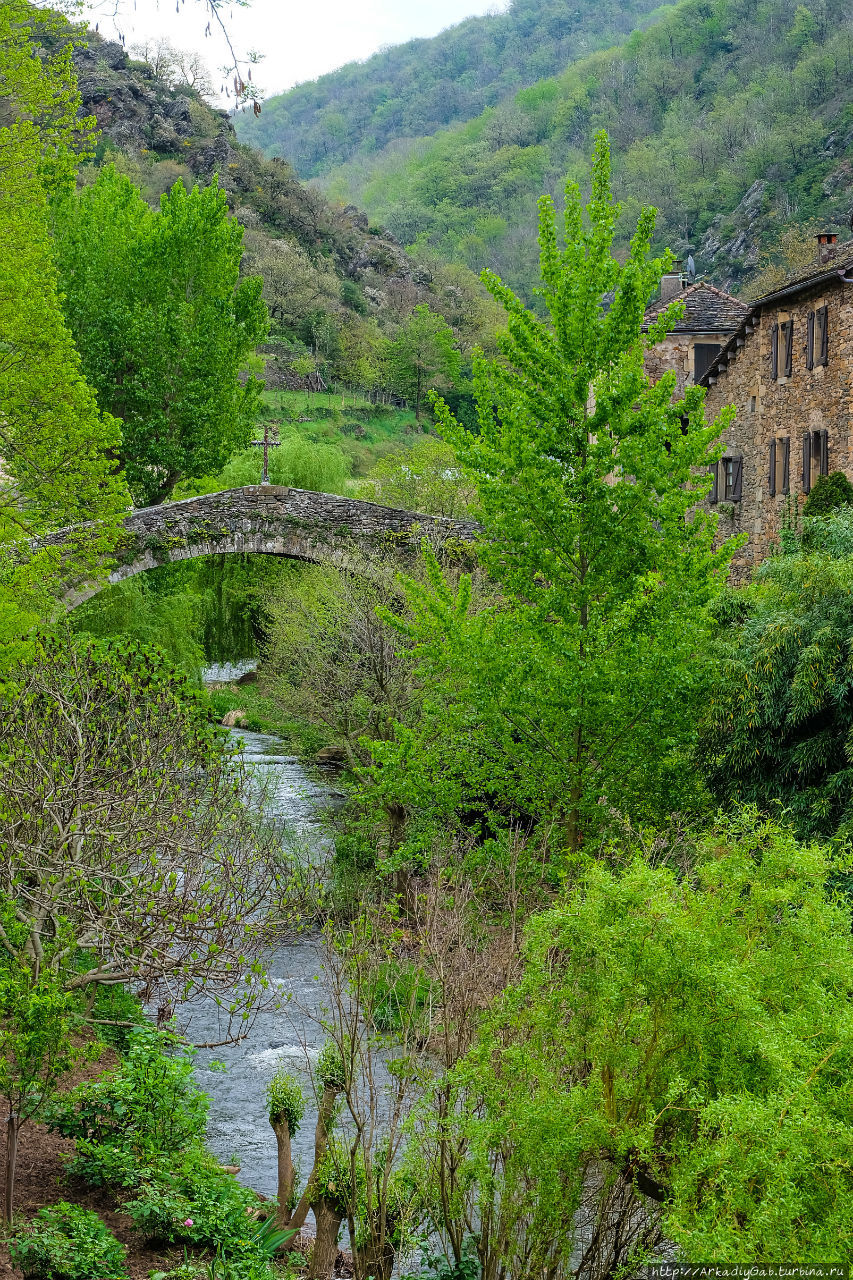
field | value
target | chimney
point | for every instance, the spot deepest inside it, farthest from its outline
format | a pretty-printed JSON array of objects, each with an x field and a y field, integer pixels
[
  {"x": 826, "y": 242},
  {"x": 671, "y": 285}
]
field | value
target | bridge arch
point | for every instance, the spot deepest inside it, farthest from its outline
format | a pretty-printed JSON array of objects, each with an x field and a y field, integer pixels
[{"x": 297, "y": 524}]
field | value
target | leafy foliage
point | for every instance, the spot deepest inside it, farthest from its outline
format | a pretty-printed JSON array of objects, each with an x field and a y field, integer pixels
[
  {"x": 285, "y": 1101},
  {"x": 714, "y": 100},
  {"x": 67, "y": 1242},
  {"x": 577, "y": 690},
  {"x": 829, "y": 492},
  {"x": 414, "y": 89},
  {"x": 672, "y": 1064},
  {"x": 780, "y": 709},
  {"x": 148, "y": 1107},
  {"x": 55, "y": 446},
  {"x": 163, "y": 323}
]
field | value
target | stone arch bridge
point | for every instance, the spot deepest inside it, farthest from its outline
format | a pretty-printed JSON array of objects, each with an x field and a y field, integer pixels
[{"x": 268, "y": 520}]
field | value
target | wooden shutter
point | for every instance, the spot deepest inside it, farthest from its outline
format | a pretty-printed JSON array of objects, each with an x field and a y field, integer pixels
[
  {"x": 774, "y": 352},
  {"x": 807, "y": 462},
  {"x": 715, "y": 482},
  {"x": 771, "y": 470},
  {"x": 788, "y": 331},
  {"x": 810, "y": 341},
  {"x": 786, "y": 465},
  {"x": 824, "y": 335},
  {"x": 824, "y": 453},
  {"x": 737, "y": 479}
]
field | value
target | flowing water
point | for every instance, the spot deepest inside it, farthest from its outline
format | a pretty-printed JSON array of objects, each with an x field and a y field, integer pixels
[{"x": 236, "y": 1076}]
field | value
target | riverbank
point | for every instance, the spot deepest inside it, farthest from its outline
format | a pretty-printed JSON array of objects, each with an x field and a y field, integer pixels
[{"x": 248, "y": 706}]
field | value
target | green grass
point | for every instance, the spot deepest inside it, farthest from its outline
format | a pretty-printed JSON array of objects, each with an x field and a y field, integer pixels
[
  {"x": 363, "y": 431},
  {"x": 264, "y": 715}
]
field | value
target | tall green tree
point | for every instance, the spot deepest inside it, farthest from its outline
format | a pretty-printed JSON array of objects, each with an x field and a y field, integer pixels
[
  {"x": 57, "y": 451},
  {"x": 578, "y": 691},
  {"x": 422, "y": 356},
  {"x": 163, "y": 323}
]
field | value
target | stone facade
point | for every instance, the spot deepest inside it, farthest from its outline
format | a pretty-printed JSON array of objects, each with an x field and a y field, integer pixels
[
  {"x": 793, "y": 406},
  {"x": 710, "y": 318},
  {"x": 268, "y": 520}
]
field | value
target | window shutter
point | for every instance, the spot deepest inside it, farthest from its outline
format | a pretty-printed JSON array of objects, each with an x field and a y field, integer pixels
[
  {"x": 810, "y": 341},
  {"x": 774, "y": 352},
  {"x": 788, "y": 330},
  {"x": 737, "y": 478},
  {"x": 715, "y": 473},
  {"x": 786, "y": 465},
  {"x": 771, "y": 471},
  {"x": 807, "y": 462},
  {"x": 824, "y": 335},
  {"x": 824, "y": 453}
]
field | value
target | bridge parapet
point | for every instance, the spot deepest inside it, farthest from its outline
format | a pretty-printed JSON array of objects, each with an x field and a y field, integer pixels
[{"x": 267, "y": 520}]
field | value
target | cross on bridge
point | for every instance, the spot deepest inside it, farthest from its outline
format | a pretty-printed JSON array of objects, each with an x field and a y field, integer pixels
[{"x": 270, "y": 437}]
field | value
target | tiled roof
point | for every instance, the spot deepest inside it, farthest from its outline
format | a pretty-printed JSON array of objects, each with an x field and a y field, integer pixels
[
  {"x": 838, "y": 267},
  {"x": 841, "y": 261},
  {"x": 707, "y": 309}
]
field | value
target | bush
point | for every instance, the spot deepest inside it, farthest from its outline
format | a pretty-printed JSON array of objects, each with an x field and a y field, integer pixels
[
  {"x": 194, "y": 1203},
  {"x": 67, "y": 1242},
  {"x": 829, "y": 492},
  {"x": 148, "y": 1108}
]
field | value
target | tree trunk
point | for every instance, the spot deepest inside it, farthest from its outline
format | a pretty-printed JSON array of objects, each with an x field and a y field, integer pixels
[
  {"x": 325, "y": 1249},
  {"x": 321, "y": 1142},
  {"x": 11, "y": 1161},
  {"x": 376, "y": 1260},
  {"x": 281, "y": 1129}
]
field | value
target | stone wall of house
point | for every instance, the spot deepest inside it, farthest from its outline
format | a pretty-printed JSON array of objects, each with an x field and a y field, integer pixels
[
  {"x": 676, "y": 353},
  {"x": 809, "y": 400}
]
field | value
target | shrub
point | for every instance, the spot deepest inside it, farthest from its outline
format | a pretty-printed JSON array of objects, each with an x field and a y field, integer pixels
[
  {"x": 829, "y": 492},
  {"x": 67, "y": 1242},
  {"x": 196, "y": 1202},
  {"x": 149, "y": 1107}
]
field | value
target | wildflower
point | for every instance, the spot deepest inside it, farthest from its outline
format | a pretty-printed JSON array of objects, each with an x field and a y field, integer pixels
[{"x": 188, "y": 1222}]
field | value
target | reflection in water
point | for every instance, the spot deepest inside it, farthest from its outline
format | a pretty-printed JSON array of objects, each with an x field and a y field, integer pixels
[{"x": 288, "y": 1036}]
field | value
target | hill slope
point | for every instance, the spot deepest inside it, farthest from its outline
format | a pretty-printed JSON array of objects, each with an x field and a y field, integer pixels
[
  {"x": 733, "y": 117},
  {"x": 415, "y": 89}
]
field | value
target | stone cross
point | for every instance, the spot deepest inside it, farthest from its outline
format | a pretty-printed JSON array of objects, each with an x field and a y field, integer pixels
[{"x": 270, "y": 437}]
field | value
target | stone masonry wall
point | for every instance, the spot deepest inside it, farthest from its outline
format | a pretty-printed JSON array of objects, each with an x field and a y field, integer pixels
[{"x": 810, "y": 400}]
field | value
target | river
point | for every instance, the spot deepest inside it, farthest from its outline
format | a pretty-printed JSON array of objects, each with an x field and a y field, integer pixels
[{"x": 236, "y": 1076}]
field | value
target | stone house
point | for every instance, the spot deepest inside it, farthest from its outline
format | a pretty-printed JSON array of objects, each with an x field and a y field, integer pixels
[
  {"x": 711, "y": 317},
  {"x": 788, "y": 370}
]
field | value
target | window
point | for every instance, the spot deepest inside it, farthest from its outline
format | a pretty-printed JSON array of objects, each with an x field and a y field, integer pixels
[
  {"x": 820, "y": 344},
  {"x": 753, "y": 403},
  {"x": 704, "y": 354},
  {"x": 786, "y": 334},
  {"x": 815, "y": 457},
  {"x": 810, "y": 330},
  {"x": 732, "y": 478},
  {"x": 726, "y": 479},
  {"x": 778, "y": 478},
  {"x": 774, "y": 352}
]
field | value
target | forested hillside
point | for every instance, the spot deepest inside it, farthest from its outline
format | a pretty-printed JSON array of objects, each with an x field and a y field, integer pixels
[
  {"x": 733, "y": 117},
  {"x": 415, "y": 89}
]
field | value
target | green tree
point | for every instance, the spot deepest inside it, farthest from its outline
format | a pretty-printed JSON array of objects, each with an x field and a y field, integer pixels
[
  {"x": 579, "y": 690},
  {"x": 422, "y": 356},
  {"x": 779, "y": 714},
  {"x": 37, "y": 1020},
  {"x": 56, "y": 450},
  {"x": 163, "y": 323},
  {"x": 672, "y": 1065},
  {"x": 425, "y": 478}
]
